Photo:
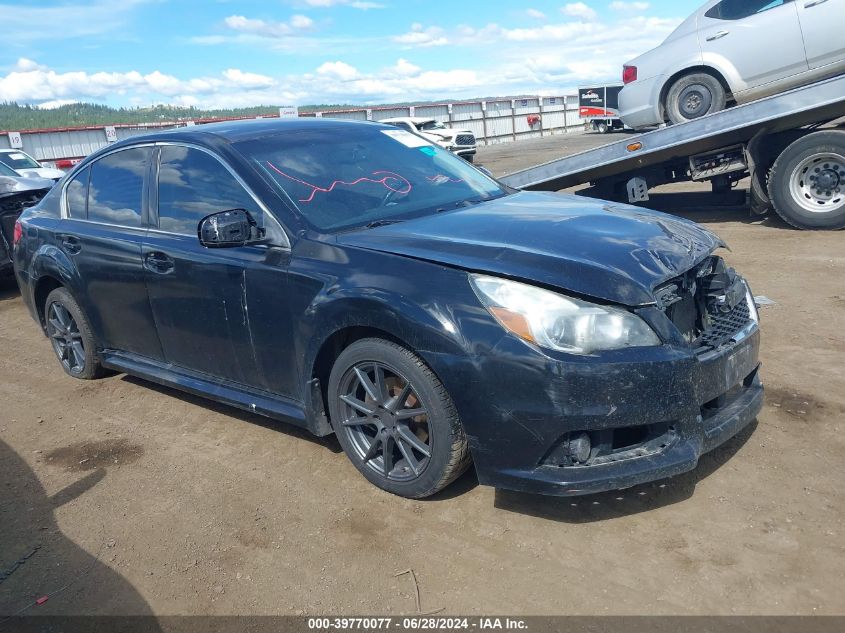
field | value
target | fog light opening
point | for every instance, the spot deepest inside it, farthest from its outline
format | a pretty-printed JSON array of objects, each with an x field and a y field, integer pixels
[{"x": 580, "y": 448}]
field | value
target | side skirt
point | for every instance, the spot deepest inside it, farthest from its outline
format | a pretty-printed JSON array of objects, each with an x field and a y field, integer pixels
[{"x": 224, "y": 391}]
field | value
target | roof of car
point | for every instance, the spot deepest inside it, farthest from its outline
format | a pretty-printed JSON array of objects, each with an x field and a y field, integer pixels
[{"x": 244, "y": 130}]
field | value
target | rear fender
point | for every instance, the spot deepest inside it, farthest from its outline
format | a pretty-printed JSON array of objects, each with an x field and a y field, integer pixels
[{"x": 50, "y": 261}]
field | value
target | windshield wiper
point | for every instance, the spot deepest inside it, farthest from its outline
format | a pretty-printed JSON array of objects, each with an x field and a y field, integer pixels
[{"x": 377, "y": 223}]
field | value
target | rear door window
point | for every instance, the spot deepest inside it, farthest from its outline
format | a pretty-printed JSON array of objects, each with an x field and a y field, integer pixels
[
  {"x": 116, "y": 187},
  {"x": 739, "y": 9},
  {"x": 192, "y": 184},
  {"x": 76, "y": 195}
]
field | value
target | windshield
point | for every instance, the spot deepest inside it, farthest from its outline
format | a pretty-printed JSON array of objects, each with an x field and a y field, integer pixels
[
  {"x": 344, "y": 177},
  {"x": 18, "y": 160},
  {"x": 432, "y": 125}
]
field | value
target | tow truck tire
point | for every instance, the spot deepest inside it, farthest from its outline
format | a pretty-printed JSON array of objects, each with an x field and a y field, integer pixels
[
  {"x": 693, "y": 96},
  {"x": 807, "y": 183},
  {"x": 602, "y": 127}
]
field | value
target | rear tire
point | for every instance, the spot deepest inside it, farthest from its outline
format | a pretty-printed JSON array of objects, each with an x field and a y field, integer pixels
[
  {"x": 395, "y": 419},
  {"x": 807, "y": 183},
  {"x": 602, "y": 127},
  {"x": 694, "y": 96},
  {"x": 71, "y": 336}
]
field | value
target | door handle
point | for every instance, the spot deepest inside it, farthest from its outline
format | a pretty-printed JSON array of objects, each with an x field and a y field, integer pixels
[
  {"x": 813, "y": 3},
  {"x": 71, "y": 244},
  {"x": 158, "y": 263},
  {"x": 719, "y": 35}
]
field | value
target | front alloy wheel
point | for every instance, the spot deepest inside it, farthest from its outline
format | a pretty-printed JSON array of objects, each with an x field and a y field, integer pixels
[
  {"x": 385, "y": 421},
  {"x": 395, "y": 420}
]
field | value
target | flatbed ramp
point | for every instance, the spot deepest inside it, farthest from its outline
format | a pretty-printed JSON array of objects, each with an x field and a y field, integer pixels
[{"x": 814, "y": 104}]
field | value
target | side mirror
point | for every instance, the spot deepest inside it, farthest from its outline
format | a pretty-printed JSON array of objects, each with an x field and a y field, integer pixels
[
  {"x": 235, "y": 227},
  {"x": 485, "y": 171}
]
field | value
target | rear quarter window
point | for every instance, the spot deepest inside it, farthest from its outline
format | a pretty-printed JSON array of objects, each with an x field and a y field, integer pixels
[{"x": 76, "y": 195}]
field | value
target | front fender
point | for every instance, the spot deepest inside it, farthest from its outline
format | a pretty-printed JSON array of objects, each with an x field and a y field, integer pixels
[{"x": 422, "y": 327}]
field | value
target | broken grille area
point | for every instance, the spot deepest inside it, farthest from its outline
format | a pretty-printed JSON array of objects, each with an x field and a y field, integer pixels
[
  {"x": 465, "y": 139},
  {"x": 708, "y": 304},
  {"x": 11, "y": 206},
  {"x": 724, "y": 327}
]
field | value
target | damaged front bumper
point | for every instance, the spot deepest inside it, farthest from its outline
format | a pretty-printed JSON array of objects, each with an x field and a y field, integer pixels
[{"x": 648, "y": 413}]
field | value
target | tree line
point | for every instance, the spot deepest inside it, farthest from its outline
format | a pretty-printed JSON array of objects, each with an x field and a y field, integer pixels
[{"x": 14, "y": 116}]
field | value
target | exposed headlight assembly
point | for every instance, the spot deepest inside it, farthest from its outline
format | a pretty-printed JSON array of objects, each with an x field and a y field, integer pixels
[{"x": 557, "y": 322}]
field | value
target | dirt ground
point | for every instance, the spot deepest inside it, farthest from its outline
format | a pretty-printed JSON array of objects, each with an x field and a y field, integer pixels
[{"x": 120, "y": 497}]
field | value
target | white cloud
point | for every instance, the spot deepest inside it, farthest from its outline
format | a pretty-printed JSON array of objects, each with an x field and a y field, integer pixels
[
  {"x": 248, "y": 81},
  {"x": 266, "y": 28},
  {"x": 403, "y": 68},
  {"x": 301, "y": 22},
  {"x": 57, "y": 103},
  {"x": 579, "y": 10},
  {"x": 24, "y": 64},
  {"x": 537, "y": 15},
  {"x": 339, "y": 70},
  {"x": 630, "y": 6},
  {"x": 355, "y": 4},
  {"x": 420, "y": 36}
]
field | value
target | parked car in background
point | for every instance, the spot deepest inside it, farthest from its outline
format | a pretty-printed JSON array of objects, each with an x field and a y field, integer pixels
[
  {"x": 733, "y": 51},
  {"x": 458, "y": 141},
  {"x": 26, "y": 165},
  {"x": 356, "y": 279},
  {"x": 16, "y": 193}
]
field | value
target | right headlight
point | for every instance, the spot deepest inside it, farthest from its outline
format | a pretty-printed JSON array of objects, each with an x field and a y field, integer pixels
[{"x": 557, "y": 322}]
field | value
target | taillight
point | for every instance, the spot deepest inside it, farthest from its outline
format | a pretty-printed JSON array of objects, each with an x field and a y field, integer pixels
[
  {"x": 18, "y": 234},
  {"x": 629, "y": 74}
]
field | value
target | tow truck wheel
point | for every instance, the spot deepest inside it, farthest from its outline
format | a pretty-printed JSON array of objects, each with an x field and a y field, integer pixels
[
  {"x": 693, "y": 96},
  {"x": 807, "y": 183},
  {"x": 602, "y": 127}
]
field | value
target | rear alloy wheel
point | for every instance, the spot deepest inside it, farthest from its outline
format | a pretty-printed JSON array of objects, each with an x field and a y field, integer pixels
[
  {"x": 602, "y": 128},
  {"x": 71, "y": 336},
  {"x": 694, "y": 96},
  {"x": 807, "y": 183},
  {"x": 395, "y": 420}
]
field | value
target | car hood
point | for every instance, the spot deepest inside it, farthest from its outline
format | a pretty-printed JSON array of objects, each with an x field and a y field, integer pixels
[
  {"x": 450, "y": 134},
  {"x": 42, "y": 172},
  {"x": 12, "y": 185},
  {"x": 604, "y": 250}
]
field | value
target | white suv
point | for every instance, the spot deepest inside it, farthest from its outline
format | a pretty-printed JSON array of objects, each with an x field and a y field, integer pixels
[
  {"x": 460, "y": 142},
  {"x": 734, "y": 51}
]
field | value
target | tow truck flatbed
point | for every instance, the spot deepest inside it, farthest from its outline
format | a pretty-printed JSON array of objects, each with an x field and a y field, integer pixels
[{"x": 722, "y": 147}]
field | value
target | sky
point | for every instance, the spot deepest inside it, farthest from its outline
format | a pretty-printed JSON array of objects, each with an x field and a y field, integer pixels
[{"x": 230, "y": 53}]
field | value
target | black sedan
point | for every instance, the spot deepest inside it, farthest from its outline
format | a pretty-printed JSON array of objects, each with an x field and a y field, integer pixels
[{"x": 352, "y": 278}]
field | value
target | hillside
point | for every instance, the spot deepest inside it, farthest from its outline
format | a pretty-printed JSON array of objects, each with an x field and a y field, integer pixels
[{"x": 25, "y": 117}]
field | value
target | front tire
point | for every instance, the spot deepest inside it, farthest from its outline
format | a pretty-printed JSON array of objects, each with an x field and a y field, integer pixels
[
  {"x": 694, "y": 96},
  {"x": 395, "y": 419},
  {"x": 807, "y": 183},
  {"x": 71, "y": 336}
]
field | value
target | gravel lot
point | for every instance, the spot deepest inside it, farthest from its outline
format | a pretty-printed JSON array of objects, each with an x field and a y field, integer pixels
[{"x": 132, "y": 498}]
